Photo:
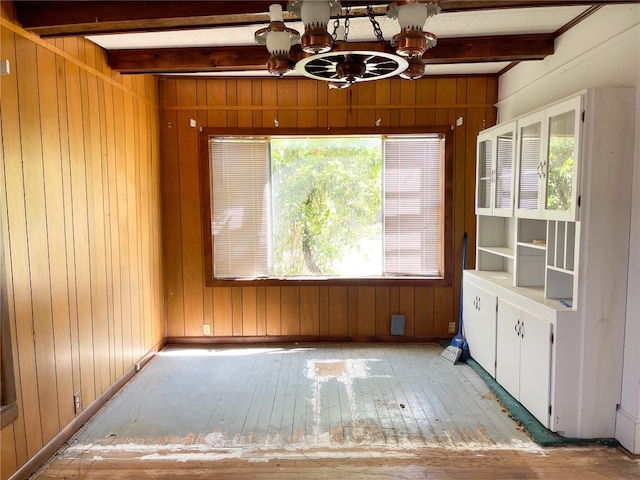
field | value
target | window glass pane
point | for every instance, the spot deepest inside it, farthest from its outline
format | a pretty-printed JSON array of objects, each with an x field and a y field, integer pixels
[
  {"x": 560, "y": 161},
  {"x": 241, "y": 214},
  {"x": 327, "y": 204},
  {"x": 413, "y": 205},
  {"x": 485, "y": 152}
]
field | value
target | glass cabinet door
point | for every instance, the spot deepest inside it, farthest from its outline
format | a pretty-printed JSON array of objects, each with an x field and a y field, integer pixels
[
  {"x": 503, "y": 172},
  {"x": 495, "y": 165},
  {"x": 484, "y": 184},
  {"x": 529, "y": 166},
  {"x": 560, "y": 172}
]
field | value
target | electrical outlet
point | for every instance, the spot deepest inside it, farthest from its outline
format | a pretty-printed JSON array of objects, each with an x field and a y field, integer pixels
[
  {"x": 452, "y": 327},
  {"x": 77, "y": 404},
  {"x": 206, "y": 329}
]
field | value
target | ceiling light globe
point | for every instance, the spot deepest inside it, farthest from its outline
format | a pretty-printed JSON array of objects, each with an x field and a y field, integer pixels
[
  {"x": 315, "y": 15},
  {"x": 315, "y": 12},
  {"x": 412, "y": 15},
  {"x": 275, "y": 13},
  {"x": 278, "y": 42}
]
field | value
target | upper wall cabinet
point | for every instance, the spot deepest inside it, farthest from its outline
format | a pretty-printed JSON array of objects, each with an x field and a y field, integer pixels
[
  {"x": 495, "y": 167},
  {"x": 548, "y": 162}
]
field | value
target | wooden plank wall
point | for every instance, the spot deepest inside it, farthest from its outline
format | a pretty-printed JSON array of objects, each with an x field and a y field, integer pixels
[
  {"x": 81, "y": 221},
  {"x": 322, "y": 311}
]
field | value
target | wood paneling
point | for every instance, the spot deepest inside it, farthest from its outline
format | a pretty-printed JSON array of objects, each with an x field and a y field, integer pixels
[
  {"x": 81, "y": 225},
  {"x": 352, "y": 311}
]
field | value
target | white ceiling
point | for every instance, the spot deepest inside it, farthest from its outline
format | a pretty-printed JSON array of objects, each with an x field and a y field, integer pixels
[{"x": 444, "y": 25}]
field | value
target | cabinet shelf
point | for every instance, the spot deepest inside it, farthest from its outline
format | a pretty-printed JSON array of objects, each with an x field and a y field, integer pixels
[
  {"x": 560, "y": 270},
  {"x": 559, "y": 284},
  {"x": 506, "y": 252},
  {"x": 537, "y": 246}
]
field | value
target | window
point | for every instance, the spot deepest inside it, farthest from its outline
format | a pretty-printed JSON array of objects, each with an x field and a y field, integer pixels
[{"x": 291, "y": 207}]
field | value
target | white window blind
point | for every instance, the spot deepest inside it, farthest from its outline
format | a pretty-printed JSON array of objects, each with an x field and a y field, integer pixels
[
  {"x": 413, "y": 205},
  {"x": 241, "y": 225},
  {"x": 504, "y": 171}
]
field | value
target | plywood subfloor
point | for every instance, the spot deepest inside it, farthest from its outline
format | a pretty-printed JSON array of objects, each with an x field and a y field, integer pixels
[{"x": 315, "y": 411}]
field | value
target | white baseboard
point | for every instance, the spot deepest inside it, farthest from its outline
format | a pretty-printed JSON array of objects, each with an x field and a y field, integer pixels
[{"x": 628, "y": 431}]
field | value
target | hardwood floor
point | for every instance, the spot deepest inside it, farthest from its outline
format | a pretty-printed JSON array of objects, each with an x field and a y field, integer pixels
[
  {"x": 433, "y": 463},
  {"x": 350, "y": 411}
]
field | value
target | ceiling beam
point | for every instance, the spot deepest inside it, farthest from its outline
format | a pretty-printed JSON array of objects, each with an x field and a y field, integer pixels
[
  {"x": 501, "y": 48},
  {"x": 496, "y": 48},
  {"x": 80, "y": 17}
]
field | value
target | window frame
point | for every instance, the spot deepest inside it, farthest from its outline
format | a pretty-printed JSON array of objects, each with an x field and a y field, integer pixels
[{"x": 205, "y": 206}]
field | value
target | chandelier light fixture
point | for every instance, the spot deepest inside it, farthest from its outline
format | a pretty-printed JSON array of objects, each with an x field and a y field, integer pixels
[
  {"x": 414, "y": 70},
  {"x": 278, "y": 40},
  {"x": 329, "y": 57},
  {"x": 412, "y": 41},
  {"x": 315, "y": 15}
]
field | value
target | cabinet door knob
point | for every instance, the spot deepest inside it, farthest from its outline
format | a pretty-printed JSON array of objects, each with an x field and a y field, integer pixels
[
  {"x": 522, "y": 330},
  {"x": 516, "y": 327}
]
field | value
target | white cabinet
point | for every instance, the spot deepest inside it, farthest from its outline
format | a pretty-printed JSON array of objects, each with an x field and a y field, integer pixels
[
  {"x": 494, "y": 198},
  {"x": 555, "y": 265},
  {"x": 531, "y": 251},
  {"x": 561, "y": 262},
  {"x": 523, "y": 358},
  {"x": 548, "y": 153},
  {"x": 495, "y": 244},
  {"x": 495, "y": 170},
  {"x": 479, "y": 320}
]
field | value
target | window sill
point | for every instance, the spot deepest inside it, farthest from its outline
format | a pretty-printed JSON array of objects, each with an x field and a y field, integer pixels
[
  {"x": 407, "y": 281},
  {"x": 8, "y": 414}
]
